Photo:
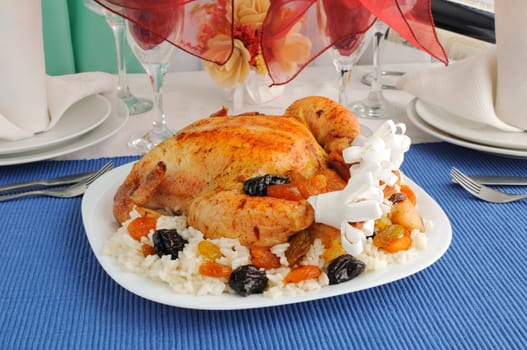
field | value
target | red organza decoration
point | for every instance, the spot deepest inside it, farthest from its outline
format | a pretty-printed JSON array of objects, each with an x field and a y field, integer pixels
[
  {"x": 187, "y": 24},
  {"x": 294, "y": 33},
  {"x": 340, "y": 22}
]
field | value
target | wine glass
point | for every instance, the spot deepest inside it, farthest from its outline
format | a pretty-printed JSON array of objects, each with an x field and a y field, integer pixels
[
  {"x": 375, "y": 105},
  {"x": 345, "y": 54},
  {"x": 136, "y": 105},
  {"x": 153, "y": 52}
]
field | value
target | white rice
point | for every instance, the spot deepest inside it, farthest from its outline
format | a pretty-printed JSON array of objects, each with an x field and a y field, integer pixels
[{"x": 182, "y": 275}]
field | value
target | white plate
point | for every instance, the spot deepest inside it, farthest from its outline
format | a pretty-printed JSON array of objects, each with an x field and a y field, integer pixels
[
  {"x": 116, "y": 120},
  {"x": 83, "y": 116},
  {"x": 416, "y": 119},
  {"x": 468, "y": 130},
  {"x": 100, "y": 226}
]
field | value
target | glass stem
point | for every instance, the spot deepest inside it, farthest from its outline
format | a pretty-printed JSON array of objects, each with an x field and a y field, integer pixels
[
  {"x": 156, "y": 73},
  {"x": 375, "y": 84},
  {"x": 375, "y": 97},
  {"x": 344, "y": 79},
  {"x": 117, "y": 24}
]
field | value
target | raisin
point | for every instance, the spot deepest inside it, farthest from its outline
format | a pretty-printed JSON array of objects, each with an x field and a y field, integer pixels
[
  {"x": 248, "y": 279},
  {"x": 168, "y": 242},
  {"x": 397, "y": 197},
  {"x": 298, "y": 247},
  {"x": 387, "y": 235},
  {"x": 344, "y": 268},
  {"x": 257, "y": 186},
  {"x": 209, "y": 250}
]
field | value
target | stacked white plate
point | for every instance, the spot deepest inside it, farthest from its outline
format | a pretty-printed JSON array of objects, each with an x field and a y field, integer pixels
[
  {"x": 451, "y": 128},
  {"x": 89, "y": 121}
]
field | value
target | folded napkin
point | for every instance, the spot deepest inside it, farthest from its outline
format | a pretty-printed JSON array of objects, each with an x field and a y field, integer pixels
[
  {"x": 31, "y": 101},
  {"x": 489, "y": 87}
]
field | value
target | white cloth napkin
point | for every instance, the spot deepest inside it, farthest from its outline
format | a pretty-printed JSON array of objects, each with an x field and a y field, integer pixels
[
  {"x": 61, "y": 92},
  {"x": 489, "y": 87},
  {"x": 31, "y": 101}
]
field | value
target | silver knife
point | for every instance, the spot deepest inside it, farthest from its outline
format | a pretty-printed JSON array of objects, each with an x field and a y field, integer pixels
[
  {"x": 63, "y": 180},
  {"x": 501, "y": 180}
]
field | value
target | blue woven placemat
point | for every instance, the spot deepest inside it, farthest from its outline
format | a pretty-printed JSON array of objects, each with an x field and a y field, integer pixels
[{"x": 54, "y": 294}]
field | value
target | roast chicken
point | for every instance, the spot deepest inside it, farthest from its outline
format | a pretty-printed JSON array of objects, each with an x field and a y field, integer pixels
[{"x": 200, "y": 171}]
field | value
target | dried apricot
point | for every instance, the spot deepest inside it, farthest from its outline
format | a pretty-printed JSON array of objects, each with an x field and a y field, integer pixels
[
  {"x": 213, "y": 269},
  {"x": 147, "y": 250},
  {"x": 284, "y": 191},
  {"x": 312, "y": 186},
  {"x": 141, "y": 226},
  {"x": 209, "y": 250},
  {"x": 401, "y": 243},
  {"x": 302, "y": 273},
  {"x": 263, "y": 258},
  {"x": 407, "y": 190}
]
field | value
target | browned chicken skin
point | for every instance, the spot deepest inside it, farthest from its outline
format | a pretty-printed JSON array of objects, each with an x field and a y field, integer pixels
[{"x": 200, "y": 170}]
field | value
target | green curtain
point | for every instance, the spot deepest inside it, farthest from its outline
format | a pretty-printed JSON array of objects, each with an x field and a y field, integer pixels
[
  {"x": 78, "y": 40},
  {"x": 57, "y": 37}
]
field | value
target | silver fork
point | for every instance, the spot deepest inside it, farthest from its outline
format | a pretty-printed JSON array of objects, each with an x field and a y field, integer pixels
[
  {"x": 63, "y": 192},
  {"x": 481, "y": 191}
]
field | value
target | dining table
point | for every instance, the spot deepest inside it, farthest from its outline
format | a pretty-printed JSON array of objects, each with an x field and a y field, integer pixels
[{"x": 54, "y": 293}]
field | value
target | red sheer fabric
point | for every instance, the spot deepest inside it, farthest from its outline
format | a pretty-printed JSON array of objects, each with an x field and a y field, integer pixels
[
  {"x": 324, "y": 23},
  {"x": 413, "y": 20},
  {"x": 187, "y": 24},
  {"x": 294, "y": 33}
]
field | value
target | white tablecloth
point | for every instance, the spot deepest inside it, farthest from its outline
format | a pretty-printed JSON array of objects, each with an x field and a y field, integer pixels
[{"x": 189, "y": 96}]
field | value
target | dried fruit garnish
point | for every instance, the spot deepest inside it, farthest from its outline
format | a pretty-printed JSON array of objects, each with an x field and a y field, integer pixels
[
  {"x": 213, "y": 269},
  {"x": 168, "y": 242},
  {"x": 141, "y": 227},
  {"x": 302, "y": 273},
  {"x": 257, "y": 186},
  {"x": 209, "y": 250},
  {"x": 344, "y": 268},
  {"x": 248, "y": 279},
  {"x": 387, "y": 235}
]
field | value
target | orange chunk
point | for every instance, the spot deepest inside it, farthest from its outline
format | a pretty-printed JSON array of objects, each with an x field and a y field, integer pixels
[
  {"x": 147, "y": 250},
  {"x": 399, "y": 244},
  {"x": 302, "y": 273},
  {"x": 141, "y": 226},
  {"x": 299, "y": 187},
  {"x": 393, "y": 238},
  {"x": 213, "y": 269},
  {"x": 263, "y": 258},
  {"x": 407, "y": 190},
  {"x": 284, "y": 191}
]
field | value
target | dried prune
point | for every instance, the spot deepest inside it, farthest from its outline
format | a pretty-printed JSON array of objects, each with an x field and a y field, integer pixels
[
  {"x": 344, "y": 268},
  {"x": 248, "y": 279},
  {"x": 257, "y": 186},
  {"x": 168, "y": 242}
]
